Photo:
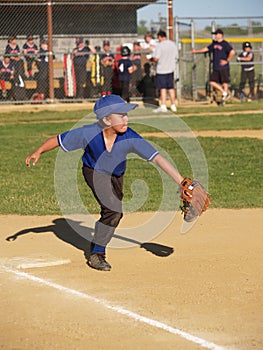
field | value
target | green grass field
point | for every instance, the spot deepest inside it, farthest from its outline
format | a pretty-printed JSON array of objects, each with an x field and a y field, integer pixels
[{"x": 234, "y": 164}]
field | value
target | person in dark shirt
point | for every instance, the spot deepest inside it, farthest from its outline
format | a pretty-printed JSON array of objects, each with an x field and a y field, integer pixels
[
  {"x": 222, "y": 54},
  {"x": 13, "y": 50},
  {"x": 246, "y": 58},
  {"x": 6, "y": 74},
  {"x": 43, "y": 74},
  {"x": 107, "y": 62},
  {"x": 80, "y": 58},
  {"x": 125, "y": 69},
  {"x": 30, "y": 51}
]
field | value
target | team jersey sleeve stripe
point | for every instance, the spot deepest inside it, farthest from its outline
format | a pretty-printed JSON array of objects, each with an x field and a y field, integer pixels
[
  {"x": 61, "y": 144},
  {"x": 153, "y": 156}
]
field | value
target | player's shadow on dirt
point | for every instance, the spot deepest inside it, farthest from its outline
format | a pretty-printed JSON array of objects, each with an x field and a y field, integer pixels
[
  {"x": 66, "y": 230},
  {"x": 154, "y": 248},
  {"x": 73, "y": 233}
]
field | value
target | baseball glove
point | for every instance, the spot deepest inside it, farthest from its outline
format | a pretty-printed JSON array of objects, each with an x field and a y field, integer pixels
[{"x": 195, "y": 199}]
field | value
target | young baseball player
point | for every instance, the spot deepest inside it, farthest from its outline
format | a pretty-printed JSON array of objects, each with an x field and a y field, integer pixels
[
  {"x": 42, "y": 77},
  {"x": 81, "y": 54},
  {"x": 107, "y": 61},
  {"x": 247, "y": 70},
  {"x": 6, "y": 74},
  {"x": 30, "y": 51},
  {"x": 125, "y": 69},
  {"x": 106, "y": 145}
]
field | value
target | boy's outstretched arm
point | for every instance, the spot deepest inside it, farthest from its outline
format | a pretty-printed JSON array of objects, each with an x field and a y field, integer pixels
[
  {"x": 166, "y": 166},
  {"x": 48, "y": 145}
]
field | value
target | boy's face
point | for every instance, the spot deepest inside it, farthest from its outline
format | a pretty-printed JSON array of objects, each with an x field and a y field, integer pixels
[
  {"x": 218, "y": 37},
  {"x": 119, "y": 122},
  {"x": 106, "y": 48},
  {"x": 148, "y": 39},
  {"x": 80, "y": 44}
]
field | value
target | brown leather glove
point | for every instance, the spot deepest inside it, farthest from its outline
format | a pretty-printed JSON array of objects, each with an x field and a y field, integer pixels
[{"x": 195, "y": 199}]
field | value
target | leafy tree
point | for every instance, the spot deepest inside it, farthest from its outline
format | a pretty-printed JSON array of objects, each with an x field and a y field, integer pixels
[{"x": 142, "y": 29}]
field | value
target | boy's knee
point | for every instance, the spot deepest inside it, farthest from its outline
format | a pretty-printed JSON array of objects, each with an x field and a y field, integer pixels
[{"x": 115, "y": 219}]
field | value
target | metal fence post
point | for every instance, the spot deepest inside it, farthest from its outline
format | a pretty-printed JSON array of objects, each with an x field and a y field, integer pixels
[
  {"x": 178, "y": 78},
  {"x": 170, "y": 20},
  {"x": 50, "y": 52},
  {"x": 213, "y": 27},
  {"x": 194, "y": 87}
]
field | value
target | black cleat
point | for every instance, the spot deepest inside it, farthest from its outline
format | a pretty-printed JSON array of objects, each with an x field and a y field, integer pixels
[{"x": 97, "y": 261}]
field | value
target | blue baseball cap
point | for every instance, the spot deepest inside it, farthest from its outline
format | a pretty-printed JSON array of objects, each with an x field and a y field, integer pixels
[{"x": 109, "y": 104}]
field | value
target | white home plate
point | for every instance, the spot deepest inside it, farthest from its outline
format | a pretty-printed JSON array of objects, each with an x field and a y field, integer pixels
[{"x": 22, "y": 262}]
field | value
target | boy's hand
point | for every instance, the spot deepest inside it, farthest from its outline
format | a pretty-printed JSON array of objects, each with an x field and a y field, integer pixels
[
  {"x": 35, "y": 156},
  {"x": 48, "y": 145},
  {"x": 223, "y": 62}
]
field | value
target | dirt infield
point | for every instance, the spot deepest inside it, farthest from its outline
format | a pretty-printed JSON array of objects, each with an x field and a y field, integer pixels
[{"x": 199, "y": 290}]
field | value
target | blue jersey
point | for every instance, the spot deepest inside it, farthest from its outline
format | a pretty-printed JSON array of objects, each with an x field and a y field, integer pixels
[
  {"x": 90, "y": 138},
  {"x": 30, "y": 50},
  {"x": 123, "y": 69},
  {"x": 12, "y": 50},
  {"x": 220, "y": 51},
  {"x": 6, "y": 71},
  {"x": 81, "y": 55}
]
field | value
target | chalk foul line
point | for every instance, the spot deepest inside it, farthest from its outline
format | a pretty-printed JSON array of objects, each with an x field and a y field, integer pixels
[{"x": 154, "y": 323}]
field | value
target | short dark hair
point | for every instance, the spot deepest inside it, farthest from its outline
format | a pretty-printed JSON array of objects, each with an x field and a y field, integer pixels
[
  {"x": 149, "y": 34},
  {"x": 11, "y": 38},
  {"x": 161, "y": 33}
]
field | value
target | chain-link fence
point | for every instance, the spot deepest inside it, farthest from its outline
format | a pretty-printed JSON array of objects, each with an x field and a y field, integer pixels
[{"x": 56, "y": 50}]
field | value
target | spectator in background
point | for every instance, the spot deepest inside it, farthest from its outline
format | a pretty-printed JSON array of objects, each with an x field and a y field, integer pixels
[
  {"x": 13, "y": 50},
  {"x": 107, "y": 62},
  {"x": 246, "y": 57},
  {"x": 116, "y": 89},
  {"x": 149, "y": 45},
  {"x": 6, "y": 74},
  {"x": 125, "y": 69},
  {"x": 30, "y": 50},
  {"x": 149, "y": 42},
  {"x": 18, "y": 86},
  {"x": 165, "y": 55},
  {"x": 43, "y": 74},
  {"x": 136, "y": 76},
  {"x": 91, "y": 50},
  {"x": 222, "y": 54},
  {"x": 80, "y": 58}
]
